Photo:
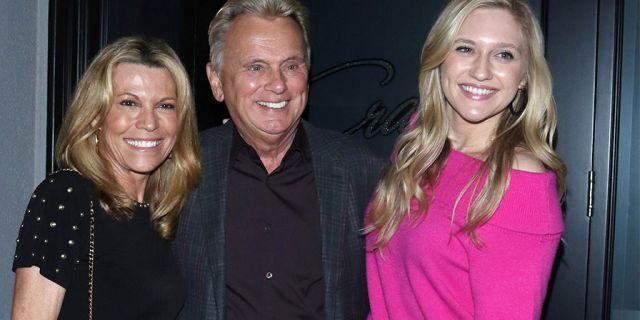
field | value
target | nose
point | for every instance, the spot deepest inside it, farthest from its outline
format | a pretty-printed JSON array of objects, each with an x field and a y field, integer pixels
[
  {"x": 147, "y": 119},
  {"x": 276, "y": 82},
  {"x": 481, "y": 68}
]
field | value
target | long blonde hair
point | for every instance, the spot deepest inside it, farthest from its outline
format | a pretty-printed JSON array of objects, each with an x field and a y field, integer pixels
[
  {"x": 76, "y": 146},
  {"x": 422, "y": 150}
]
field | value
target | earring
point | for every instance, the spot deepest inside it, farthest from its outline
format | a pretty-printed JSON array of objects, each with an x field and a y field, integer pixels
[
  {"x": 95, "y": 135},
  {"x": 519, "y": 103}
]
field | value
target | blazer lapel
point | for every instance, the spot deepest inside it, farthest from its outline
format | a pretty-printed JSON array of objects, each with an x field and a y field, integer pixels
[
  {"x": 213, "y": 208},
  {"x": 332, "y": 188}
]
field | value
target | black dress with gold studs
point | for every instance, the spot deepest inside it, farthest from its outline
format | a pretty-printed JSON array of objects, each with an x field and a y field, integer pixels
[{"x": 135, "y": 275}]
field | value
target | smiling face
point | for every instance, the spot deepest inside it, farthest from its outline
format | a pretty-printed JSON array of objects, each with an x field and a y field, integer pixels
[
  {"x": 263, "y": 78},
  {"x": 140, "y": 129},
  {"x": 486, "y": 66}
]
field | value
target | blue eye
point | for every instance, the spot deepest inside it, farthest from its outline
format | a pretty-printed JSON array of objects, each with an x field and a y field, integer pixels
[
  {"x": 464, "y": 49},
  {"x": 255, "y": 67},
  {"x": 293, "y": 67},
  {"x": 506, "y": 55}
]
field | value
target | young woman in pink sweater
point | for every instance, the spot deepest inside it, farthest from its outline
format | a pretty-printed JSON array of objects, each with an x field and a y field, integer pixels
[{"x": 466, "y": 220}]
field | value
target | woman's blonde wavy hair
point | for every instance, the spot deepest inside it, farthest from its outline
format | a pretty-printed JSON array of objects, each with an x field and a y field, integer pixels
[
  {"x": 422, "y": 150},
  {"x": 76, "y": 147}
]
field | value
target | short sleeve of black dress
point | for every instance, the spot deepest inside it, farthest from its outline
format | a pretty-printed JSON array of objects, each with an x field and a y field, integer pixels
[{"x": 55, "y": 230}]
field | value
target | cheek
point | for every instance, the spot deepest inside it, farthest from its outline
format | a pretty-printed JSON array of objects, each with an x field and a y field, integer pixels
[
  {"x": 115, "y": 123},
  {"x": 245, "y": 84},
  {"x": 170, "y": 125},
  {"x": 299, "y": 84},
  {"x": 514, "y": 75}
]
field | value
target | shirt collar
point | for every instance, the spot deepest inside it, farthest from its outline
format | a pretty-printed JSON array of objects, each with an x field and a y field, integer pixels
[{"x": 300, "y": 144}]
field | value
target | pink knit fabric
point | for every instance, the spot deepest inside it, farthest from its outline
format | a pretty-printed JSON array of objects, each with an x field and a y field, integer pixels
[{"x": 429, "y": 270}]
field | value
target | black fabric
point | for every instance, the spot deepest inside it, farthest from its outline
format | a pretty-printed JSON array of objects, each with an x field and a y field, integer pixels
[
  {"x": 135, "y": 274},
  {"x": 273, "y": 245}
]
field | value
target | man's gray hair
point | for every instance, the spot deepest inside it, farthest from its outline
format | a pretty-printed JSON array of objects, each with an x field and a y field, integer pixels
[{"x": 262, "y": 8}]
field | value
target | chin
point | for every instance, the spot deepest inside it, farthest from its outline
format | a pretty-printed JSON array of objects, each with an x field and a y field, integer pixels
[{"x": 145, "y": 169}]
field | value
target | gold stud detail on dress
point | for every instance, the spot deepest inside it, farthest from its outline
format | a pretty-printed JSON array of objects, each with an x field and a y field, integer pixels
[
  {"x": 70, "y": 242},
  {"x": 37, "y": 218},
  {"x": 33, "y": 196},
  {"x": 46, "y": 240},
  {"x": 35, "y": 237},
  {"x": 18, "y": 240},
  {"x": 44, "y": 200},
  {"x": 28, "y": 210},
  {"x": 51, "y": 180},
  {"x": 75, "y": 228},
  {"x": 70, "y": 189},
  {"x": 33, "y": 254},
  {"x": 61, "y": 207},
  {"x": 63, "y": 256},
  {"x": 57, "y": 270},
  {"x": 15, "y": 257},
  {"x": 21, "y": 226},
  {"x": 52, "y": 224},
  {"x": 81, "y": 214}
]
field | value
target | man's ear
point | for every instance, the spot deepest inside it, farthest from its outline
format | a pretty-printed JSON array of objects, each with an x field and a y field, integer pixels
[{"x": 215, "y": 83}]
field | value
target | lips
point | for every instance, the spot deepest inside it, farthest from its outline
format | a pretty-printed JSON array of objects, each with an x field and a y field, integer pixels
[
  {"x": 272, "y": 105},
  {"x": 143, "y": 143}
]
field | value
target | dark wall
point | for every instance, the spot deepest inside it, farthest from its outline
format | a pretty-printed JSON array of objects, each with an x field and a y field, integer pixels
[{"x": 374, "y": 47}]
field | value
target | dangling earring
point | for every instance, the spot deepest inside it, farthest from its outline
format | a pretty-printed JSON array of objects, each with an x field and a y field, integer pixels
[
  {"x": 95, "y": 135},
  {"x": 521, "y": 101}
]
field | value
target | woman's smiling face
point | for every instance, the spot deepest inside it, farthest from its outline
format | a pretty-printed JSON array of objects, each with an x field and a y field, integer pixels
[
  {"x": 140, "y": 129},
  {"x": 485, "y": 68}
]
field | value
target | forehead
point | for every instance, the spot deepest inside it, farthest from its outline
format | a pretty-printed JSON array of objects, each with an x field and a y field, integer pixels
[
  {"x": 127, "y": 73},
  {"x": 250, "y": 33},
  {"x": 492, "y": 25},
  {"x": 143, "y": 81}
]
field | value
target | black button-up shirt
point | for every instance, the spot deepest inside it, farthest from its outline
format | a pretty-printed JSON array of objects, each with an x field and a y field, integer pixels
[{"x": 273, "y": 251}]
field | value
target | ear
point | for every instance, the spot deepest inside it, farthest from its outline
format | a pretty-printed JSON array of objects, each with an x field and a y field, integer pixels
[
  {"x": 215, "y": 83},
  {"x": 523, "y": 82}
]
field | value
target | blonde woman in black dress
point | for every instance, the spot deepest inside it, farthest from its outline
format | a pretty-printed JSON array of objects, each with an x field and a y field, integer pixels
[{"x": 129, "y": 152}]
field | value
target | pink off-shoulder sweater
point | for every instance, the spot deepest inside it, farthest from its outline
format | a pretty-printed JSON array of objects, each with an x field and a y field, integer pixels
[{"x": 430, "y": 270}]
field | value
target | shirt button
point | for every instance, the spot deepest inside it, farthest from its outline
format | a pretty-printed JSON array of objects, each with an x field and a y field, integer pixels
[
  {"x": 269, "y": 275},
  {"x": 267, "y": 228}
]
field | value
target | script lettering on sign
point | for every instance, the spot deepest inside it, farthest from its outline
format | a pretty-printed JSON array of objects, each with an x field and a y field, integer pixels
[{"x": 379, "y": 118}]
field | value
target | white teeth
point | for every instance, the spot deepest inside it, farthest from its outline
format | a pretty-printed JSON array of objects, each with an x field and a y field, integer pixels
[
  {"x": 272, "y": 105},
  {"x": 477, "y": 91},
  {"x": 143, "y": 143}
]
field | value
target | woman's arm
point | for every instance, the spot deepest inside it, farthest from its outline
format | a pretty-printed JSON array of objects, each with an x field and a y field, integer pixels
[{"x": 34, "y": 296}]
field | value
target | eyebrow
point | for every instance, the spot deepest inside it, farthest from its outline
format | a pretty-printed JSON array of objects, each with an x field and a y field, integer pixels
[
  {"x": 290, "y": 58},
  {"x": 127, "y": 93},
  {"x": 498, "y": 44}
]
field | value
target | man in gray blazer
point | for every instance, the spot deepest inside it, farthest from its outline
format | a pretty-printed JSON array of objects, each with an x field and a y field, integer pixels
[{"x": 274, "y": 229}]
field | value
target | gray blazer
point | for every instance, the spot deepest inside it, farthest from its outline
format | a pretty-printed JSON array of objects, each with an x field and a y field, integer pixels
[{"x": 346, "y": 173}]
